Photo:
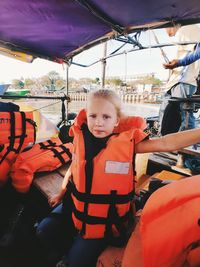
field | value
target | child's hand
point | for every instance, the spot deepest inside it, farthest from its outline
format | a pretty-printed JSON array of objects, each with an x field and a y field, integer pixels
[{"x": 53, "y": 201}]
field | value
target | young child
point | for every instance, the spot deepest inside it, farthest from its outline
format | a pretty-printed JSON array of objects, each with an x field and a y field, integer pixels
[{"x": 100, "y": 180}]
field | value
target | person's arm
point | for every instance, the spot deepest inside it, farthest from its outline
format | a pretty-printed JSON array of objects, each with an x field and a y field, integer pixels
[
  {"x": 187, "y": 60},
  {"x": 53, "y": 201},
  {"x": 190, "y": 58},
  {"x": 169, "y": 142}
]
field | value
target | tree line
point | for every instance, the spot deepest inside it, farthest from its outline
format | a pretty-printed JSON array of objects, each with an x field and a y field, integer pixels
[{"x": 53, "y": 81}]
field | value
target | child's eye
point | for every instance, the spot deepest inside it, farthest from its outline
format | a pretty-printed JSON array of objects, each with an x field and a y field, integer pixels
[
  {"x": 106, "y": 117},
  {"x": 93, "y": 116}
]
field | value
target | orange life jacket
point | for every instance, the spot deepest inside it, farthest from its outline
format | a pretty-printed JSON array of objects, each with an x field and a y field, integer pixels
[
  {"x": 102, "y": 199},
  {"x": 45, "y": 156},
  {"x": 17, "y": 131},
  {"x": 170, "y": 225}
]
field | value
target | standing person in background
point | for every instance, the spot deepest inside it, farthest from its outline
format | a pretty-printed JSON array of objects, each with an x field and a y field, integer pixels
[
  {"x": 187, "y": 60},
  {"x": 100, "y": 181},
  {"x": 182, "y": 81}
]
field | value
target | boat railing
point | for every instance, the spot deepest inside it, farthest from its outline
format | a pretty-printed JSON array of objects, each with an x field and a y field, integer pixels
[{"x": 64, "y": 97}]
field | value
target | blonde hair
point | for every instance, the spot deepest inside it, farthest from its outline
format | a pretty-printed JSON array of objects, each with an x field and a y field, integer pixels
[{"x": 110, "y": 96}]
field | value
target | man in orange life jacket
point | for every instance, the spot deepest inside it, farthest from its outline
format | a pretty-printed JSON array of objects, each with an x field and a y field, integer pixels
[{"x": 100, "y": 181}]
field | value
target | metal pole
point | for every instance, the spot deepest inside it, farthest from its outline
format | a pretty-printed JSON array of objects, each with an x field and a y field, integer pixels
[
  {"x": 67, "y": 90},
  {"x": 66, "y": 97},
  {"x": 125, "y": 78},
  {"x": 104, "y": 65}
]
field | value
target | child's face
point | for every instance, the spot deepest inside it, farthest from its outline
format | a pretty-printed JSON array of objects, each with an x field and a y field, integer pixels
[{"x": 101, "y": 117}]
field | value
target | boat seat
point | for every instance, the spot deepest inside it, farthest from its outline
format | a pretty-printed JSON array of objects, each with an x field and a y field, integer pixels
[
  {"x": 49, "y": 183},
  {"x": 44, "y": 186}
]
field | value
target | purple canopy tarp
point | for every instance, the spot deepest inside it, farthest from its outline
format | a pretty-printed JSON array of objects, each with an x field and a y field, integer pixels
[{"x": 59, "y": 29}]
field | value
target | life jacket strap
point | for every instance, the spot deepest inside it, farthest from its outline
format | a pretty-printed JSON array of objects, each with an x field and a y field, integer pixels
[
  {"x": 1, "y": 147},
  {"x": 33, "y": 123},
  {"x": 13, "y": 136},
  {"x": 59, "y": 154},
  {"x": 53, "y": 147},
  {"x": 88, "y": 219},
  {"x": 118, "y": 222},
  {"x": 134, "y": 158},
  {"x": 66, "y": 150},
  {"x": 49, "y": 145},
  {"x": 101, "y": 198}
]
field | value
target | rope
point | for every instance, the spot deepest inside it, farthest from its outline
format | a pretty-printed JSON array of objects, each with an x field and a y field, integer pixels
[
  {"x": 161, "y": 50},
  {"x": 47, "y": 106}
]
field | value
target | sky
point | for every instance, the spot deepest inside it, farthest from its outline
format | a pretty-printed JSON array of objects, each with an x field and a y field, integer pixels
[{"x": 138, "y": 62}]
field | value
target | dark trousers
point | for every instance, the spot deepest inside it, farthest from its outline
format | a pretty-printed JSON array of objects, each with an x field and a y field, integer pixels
[{"x": 58, "y": 238}]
